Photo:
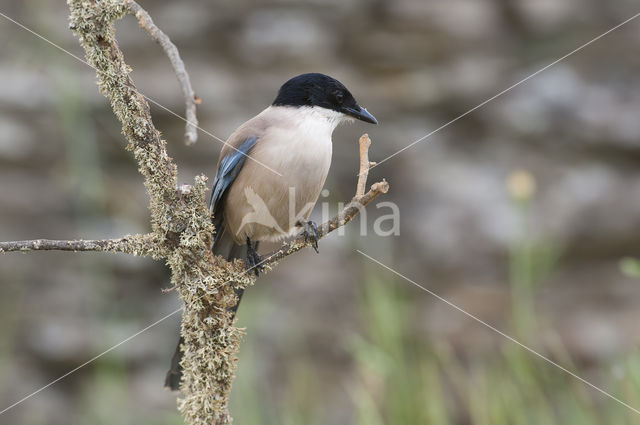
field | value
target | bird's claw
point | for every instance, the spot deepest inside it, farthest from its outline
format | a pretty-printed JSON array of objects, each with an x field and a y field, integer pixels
[
  {"x": 254, "y": 260},
  {"x": 310, "y": 233}
]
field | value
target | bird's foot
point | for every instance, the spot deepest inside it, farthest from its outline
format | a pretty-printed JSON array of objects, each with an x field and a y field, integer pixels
[
  {"x": 254, "y": 260},
  {"x": 310, "y": 233}
]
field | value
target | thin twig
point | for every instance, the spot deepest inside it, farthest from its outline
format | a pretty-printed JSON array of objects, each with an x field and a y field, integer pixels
[
  {"x": 364, "y": 142},
  {"x": 191, "y": 100},
  {"x": 128, "y": 244}
]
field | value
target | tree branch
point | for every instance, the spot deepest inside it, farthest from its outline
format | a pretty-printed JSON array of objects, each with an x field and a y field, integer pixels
[
  {"x": 363, "y": 174},
  {"x": 171, "y": 213},
  {"x": 129, "y": 244},
  {"x": 191, "y": 100}
]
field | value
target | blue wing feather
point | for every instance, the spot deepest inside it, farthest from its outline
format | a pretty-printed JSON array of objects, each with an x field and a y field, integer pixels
[{"x": 228, "y": 170}]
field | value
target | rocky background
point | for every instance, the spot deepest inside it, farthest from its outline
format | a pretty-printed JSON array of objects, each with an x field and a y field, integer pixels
[{"x": 416, "y": 65}]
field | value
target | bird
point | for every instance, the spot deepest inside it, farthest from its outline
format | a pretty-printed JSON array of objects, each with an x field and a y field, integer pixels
[{"x": 271, "y": 171}]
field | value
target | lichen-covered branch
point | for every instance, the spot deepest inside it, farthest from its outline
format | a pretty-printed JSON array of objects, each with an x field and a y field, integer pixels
[
  {"x": 191, "y": 100},
  {"x": 136, "y": 245},
  {"x": 180, "y": 221},
  {"x": 92, "y": 22}
]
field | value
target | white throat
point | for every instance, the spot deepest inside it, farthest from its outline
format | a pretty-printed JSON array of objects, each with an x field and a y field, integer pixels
[
  {"x": 321, "y": 117},
  {"x": 315, "y": 121}
]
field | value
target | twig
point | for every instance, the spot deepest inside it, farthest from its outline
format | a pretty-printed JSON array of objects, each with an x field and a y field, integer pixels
[
  {"x": 364, "y": 142},
  {"x": 128, "y": 244},
  {"x": 58, "y": 245},
  {"x": 191, "y": 100}
]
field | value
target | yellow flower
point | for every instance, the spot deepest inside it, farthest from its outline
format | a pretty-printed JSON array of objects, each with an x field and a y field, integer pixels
[{"x": 521, "y": 185}]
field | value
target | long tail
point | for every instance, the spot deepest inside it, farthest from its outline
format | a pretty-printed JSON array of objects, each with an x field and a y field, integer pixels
[{"x": 226, "y": 247}]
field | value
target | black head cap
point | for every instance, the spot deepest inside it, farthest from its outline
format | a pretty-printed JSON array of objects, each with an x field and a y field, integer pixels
[{"x": 316, "y": 89}]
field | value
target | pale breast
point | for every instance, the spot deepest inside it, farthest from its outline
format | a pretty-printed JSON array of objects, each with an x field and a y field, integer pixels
[{"x": 263, "y": 205}]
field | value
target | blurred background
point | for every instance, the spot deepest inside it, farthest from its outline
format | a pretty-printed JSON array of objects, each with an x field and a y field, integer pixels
[{"x": 525, "y": 213}]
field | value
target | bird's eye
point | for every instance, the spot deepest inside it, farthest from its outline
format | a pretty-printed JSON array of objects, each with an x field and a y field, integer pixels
[{"x": 339, "y": 97}]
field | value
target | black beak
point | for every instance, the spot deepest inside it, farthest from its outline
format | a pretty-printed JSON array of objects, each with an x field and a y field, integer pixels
[{"x": 361, "y": 114}]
